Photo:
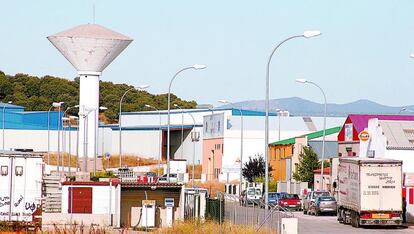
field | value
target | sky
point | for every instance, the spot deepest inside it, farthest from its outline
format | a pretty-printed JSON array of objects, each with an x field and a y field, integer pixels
[{"x": 363, "y": 52}]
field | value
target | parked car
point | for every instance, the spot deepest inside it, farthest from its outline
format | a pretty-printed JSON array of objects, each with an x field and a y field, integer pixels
[
  {"x": 310, "y": 199},
  {"x": 273, "y": 199},
  {"x": 323, "y": 204},
  {"x": 164, "y": 179},
  {"x": 290, "y": 201},
  {"x": 250, "y": 196}
]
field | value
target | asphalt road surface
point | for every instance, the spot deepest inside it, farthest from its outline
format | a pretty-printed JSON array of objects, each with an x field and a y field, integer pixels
[
  {"x": 328, "y": 224},
  {"x": 308, "y": 224}
]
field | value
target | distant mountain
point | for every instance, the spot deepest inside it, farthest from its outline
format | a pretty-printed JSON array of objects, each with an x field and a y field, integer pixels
[{"x": 302, "y": 107}]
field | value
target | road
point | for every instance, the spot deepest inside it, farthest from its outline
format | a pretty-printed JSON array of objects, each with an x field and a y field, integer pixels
[{"x": 308, "y": 224}]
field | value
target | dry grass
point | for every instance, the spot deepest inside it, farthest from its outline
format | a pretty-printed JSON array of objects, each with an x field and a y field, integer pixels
[
  {"x": 77, "y": 228},
  {"x": 128, "y": 160},
  {"x": 197, "y": 171},
  {"x": 53, "y": 158},
  {"x": 212, "y": 186},
  {"x": 208, "y": 227}
]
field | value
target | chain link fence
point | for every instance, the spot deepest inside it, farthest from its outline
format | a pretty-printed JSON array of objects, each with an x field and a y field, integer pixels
[{"x": 248, "y": 212}]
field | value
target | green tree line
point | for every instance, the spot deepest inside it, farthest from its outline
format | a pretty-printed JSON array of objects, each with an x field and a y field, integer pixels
[{"x": 38, "y": 93}]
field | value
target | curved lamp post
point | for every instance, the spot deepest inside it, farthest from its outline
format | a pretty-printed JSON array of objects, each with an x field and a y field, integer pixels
[
  {"x": 54, "y": 105},
  {"x": 101, "y": 108},
  {"x": 4, "y": 119},
  {"x": 195, "y": 67},
  {"x": 304, "y": 81},
  {"x": 67, "y": 118},
  {"x": 194, "y": 140},
  {"x": 306, "y": 34},
  {"x": 139, "y": 88},
  {"x": 72, "y": 117},
  {"x": 159, "y": 137},
  {"x": 59, "y": 106},
  {"x": 241, "y": 141}
]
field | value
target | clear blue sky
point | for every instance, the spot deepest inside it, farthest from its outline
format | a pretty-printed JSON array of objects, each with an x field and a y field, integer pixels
[{"x": 362, "y": 54}]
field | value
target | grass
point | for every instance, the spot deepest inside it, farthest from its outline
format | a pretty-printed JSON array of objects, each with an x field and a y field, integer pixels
[
  {"x": 208, "y": 227},
  {"x": 53, "y": 159},
  {"x": 197, "y": 171},
  {"x": 212, "y": 186},
  {"x": 128, "y": 160}
]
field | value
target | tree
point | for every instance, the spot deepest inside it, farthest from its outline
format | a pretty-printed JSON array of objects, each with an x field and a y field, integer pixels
[
  {"x": 254, "y": 168},
  {"x": 38, "y": 93},
  {"x": 308, "y": 162}
]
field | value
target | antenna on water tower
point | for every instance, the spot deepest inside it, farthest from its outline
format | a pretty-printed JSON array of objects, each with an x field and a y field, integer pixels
[{"x": 93, "y": 13}]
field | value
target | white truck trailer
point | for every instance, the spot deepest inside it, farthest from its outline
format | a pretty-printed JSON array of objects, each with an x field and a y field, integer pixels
[
  {"x": 370, "y": 191},
  {"x": 20, "y": 187}
]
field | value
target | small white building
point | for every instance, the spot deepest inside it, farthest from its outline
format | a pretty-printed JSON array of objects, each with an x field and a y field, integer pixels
[
  {"x": 391, "y": 139},
  {"x": 88, "y": 202}
]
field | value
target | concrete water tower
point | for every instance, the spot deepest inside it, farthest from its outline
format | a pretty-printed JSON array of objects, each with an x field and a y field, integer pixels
[{"x": 90, "y": 48}]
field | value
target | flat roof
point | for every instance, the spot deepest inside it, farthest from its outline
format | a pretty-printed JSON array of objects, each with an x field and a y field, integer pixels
[
  {"x": 8, "y": 153},
  {"x": 310, "y": 136},
  {"x": 150, "y": 185}
]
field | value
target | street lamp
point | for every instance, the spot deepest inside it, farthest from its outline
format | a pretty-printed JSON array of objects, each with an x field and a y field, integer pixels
[
  {"x": 278, "y": 111},
  {"x": 139, "y": 88},
  {"x": 77, "y": 143},
  {"x": 306, "y": 34},
  {"x": 241, "y": 141},
  {"x": 194, "y": 139},
  {"x": 58, "y": 105},
  {"x": 402, "y": 110},
  {"x": 62, "y": 160},
  {"x": 67, "y": 118},
  {"x": 304, "y": 81},
  {"x": 4, "y": 117},
  {"x": 195, "y": 67},
  {"x": 101, "y": 108},
  {"x": 182, "y": 129},
  {"x": 159, "y": 137},
  {"x": 54, "y": 105}
]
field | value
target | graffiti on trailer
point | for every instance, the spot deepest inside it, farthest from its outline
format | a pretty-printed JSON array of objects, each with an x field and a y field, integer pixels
[
  {"x": 30, "y": 206},
  {"x": 2, "y": 199},
  {"x": 4, "y": 203},
  {"x": 16, "y": 204}
]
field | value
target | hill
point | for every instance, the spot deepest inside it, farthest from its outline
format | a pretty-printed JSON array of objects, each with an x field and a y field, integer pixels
[
  {"x": 302, "y": 107},
  {"x": 38, "y": 93}
]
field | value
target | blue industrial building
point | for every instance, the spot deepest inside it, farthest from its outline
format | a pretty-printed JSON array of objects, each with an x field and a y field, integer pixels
[{"x": 16, "y": 118}]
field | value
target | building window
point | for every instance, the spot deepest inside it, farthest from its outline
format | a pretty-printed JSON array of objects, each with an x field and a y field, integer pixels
[
  {"x": 216, "y": 173},
  {"x": 349, "y": 132},
  {"x": 19, "y": 170},
  {"x": 4, "y": 170}
]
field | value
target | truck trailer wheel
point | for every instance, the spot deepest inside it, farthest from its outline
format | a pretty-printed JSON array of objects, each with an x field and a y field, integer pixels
[
  {"x": 355, "y": 220},
  {"x": 339, "y": 216}
]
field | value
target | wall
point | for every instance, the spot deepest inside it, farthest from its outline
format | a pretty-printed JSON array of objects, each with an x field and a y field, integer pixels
[
  {"x": 378, "y": 143},
  {"x": 100, "y": 198},
  {"x": 213, "y": 154},
  {"x": 326, "y": 182},
  {"x": 277, "y": 159},
  {"x": 348, "y": 142}
]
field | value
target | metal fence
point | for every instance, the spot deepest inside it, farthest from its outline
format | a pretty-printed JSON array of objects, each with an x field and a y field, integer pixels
[{"x": 250, "y": 212}]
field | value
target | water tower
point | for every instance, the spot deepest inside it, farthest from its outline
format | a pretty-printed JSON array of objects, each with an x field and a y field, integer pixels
[{"x": 90, "y": 48}]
